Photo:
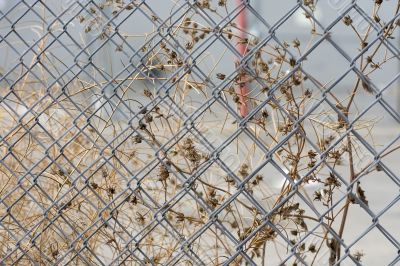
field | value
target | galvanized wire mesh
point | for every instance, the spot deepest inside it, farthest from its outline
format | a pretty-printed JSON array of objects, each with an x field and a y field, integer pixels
[{"x": 149, "y": 132}]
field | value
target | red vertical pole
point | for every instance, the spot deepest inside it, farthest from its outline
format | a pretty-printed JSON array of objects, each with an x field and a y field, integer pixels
[{"x": 242, "y": 47}]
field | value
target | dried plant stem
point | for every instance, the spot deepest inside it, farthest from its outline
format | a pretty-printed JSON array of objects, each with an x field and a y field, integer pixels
[
  {"x": 242, "y": 48},
  {"x": 348, "y": 199}
]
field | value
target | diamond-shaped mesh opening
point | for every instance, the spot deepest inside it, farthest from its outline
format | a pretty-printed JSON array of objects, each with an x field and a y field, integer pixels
[
  {"x": 11, "y": 56},
  {"x": 162, "y": 234},
  {"x": 379, "y": 63},
  {"x": 332, "y": 61},
  {"x": 387, "y": 250},
  {"x": 356, "y": 28},
  {"x": 269, "y": 53},
  {"x": 387, "y": 219},
  {"x": 272, "y": 16},
  {"x": 301, "y": 31},
  {"x": 214, "y": 66},
  {"x": 389, "y": 91},
  {"x": 388, "y": 161},
  {"x": 387, "y": 185},
  {"x": 239, "y": 216},
  {"x": 327, "y": 13},
  {"x": 370, "y": 122},
  {"x": 213, "y": 239},
  {"x": 276, "y": 252}
]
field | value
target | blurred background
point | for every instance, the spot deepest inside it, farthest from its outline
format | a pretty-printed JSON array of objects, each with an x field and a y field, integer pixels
[{"x": 68, "y": 31}]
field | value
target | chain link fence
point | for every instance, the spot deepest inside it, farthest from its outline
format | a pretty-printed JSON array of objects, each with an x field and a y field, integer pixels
[{"x": 199, "y": 132}]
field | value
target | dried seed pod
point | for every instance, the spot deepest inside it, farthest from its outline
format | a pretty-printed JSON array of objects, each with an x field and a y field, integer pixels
[
  {"x": 366, "y": 84},
  {"x": 244, "y": 170},
  {"x": 148, "y": 118},
  {"x": 140, "y": 218},
  {"x": 180, "y": 217},
  {"x": 137, "y": 139},
  {"x": 347, "y": 20},
  {"x": 189, "y": 45},
  {"x": 361, "y": 194},
  {"x": 222, "y": 2},
  {"x": 134, "y": 200},
  {"x": 147, "y": 93},
  {"x": 111, "y": 191},
  {"x": 292, "y": 62},
  {"x": 296, "y": 43},
  {"x": 94, "y": 185},
  {"x": 358, "y": 255},
  {"x": 221, "y": 76},
  {"x": 163, "y": 173}
]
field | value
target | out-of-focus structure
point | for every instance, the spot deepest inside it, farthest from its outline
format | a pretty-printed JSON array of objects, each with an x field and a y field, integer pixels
[{"x": 199, "y": 132}]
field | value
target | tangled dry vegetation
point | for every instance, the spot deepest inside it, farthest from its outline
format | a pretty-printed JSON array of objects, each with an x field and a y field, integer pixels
[{"x": 157, "y": 187}]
